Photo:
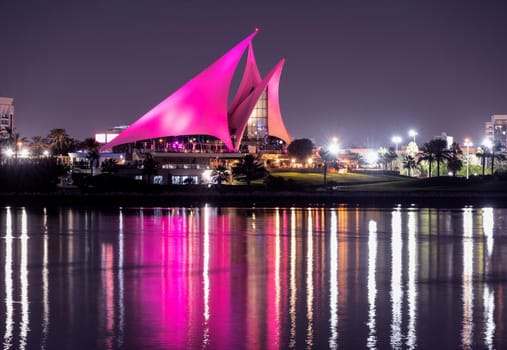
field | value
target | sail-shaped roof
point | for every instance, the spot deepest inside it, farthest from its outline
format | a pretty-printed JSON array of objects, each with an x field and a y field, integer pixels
[
  {"x": 243, "y": 111},
  {"x": 198, "y": 108},
  {"x": 276, "y": 126},
  {"x": 251, "y": 78}
]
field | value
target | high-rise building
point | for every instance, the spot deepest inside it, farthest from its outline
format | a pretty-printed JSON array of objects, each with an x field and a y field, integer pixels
[
  {"x": 6, "y": 116},
  {"x": 496, "y": 129}
]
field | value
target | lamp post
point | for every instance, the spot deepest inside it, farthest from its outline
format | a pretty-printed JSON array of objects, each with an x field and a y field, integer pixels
[
  {"x": 333, "y": 149},
  {"x": 468, "y": 144},
  {"x": 396, "y": 140},
  {"x": 412, "y": 133}
]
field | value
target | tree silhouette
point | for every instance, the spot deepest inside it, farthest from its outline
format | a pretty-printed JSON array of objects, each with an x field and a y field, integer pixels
[
  {"x": 150, "y": 167},
  {"x": 434, "y": 151},
  {"x": 220, "y": 175},
  {"x": 301, "y": 149},
  {"x": 109, "y": 166},
  {"x": 328, "y": 158},
  {"x": 59, "y": 141},
  {"x": 92, "y": 147},
  {"x": 454, "y": 159},
  {"x": 38, "y": 145},
  {"x": 496, "y": 154},
  {"x": 249, "y": 169},
  {"x": 408, "y": 162}
]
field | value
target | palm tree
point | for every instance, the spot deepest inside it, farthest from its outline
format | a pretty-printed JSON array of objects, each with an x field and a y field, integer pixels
[
  {"x": 150, "y": 167},
  {"x": 454, "y": 159},
  {"x": 59, "y": 141},
  {"x": 327, "y": 157},
  {"x": 441, "y": 152},
  {"x": 390, "y": 157},
  {"x": 249, "y": 169},
  {"x": 495, "y": 153},
  {"x": 434, "y": 151},
  {"x": 387, "y": 157},
  {"x": 18, "y": 141},
  {"x": 483, "y": 154},
  {"x": 220, "y": 175},
  {"x": 38, "y": 145},
  {"x": 109, "y": 166},
  {"x": 425, "y": 154},
  {"x": 92, "y": 146},
  {"x": 409, "y": 163}
]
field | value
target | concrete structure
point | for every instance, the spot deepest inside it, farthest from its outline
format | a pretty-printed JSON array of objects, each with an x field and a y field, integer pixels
[
  {"x": 109, "y": 135},
  {"x": 496, "y": 129},
  {"x": 6, "y": 116},
  {"x": 200, "y": 108}
]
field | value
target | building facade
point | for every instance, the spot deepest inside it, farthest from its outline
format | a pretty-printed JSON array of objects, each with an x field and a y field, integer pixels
[
  {"x": 496, "y": 129},
  {"x": 6, "y": 116},
  {"x": 200, "y": 109}
]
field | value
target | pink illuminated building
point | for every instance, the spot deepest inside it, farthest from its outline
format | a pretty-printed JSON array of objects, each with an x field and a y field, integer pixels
[{"x": 200, "y": 110}]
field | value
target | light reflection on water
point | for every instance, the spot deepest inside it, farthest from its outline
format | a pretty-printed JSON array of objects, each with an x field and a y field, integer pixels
[{"x": 229, "y": 278}]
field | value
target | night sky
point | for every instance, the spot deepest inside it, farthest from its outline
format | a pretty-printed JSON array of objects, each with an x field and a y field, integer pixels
[{"x": 359, "y": 70}]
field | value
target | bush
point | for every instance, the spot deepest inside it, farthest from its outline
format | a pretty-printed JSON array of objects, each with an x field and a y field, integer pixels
[{"x": 39, "y": 175}]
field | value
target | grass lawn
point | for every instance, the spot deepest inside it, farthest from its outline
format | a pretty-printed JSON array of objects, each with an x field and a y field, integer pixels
[
  {"x": 380, "y": 182},
  {"x": 314, "y": 179}
]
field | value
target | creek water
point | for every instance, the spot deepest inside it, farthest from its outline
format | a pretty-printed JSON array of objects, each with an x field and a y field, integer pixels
[{"x": 253, "y": 278}]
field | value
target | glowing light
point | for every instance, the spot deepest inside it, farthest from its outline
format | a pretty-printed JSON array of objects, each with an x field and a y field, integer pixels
[
  {"x": 333, "y": 281},
  {"x": 206, "y": 175},
  {"x": 412, "y": 133},
  {"x": 372, "y": 284},
  {"x": 396, "y": 140},
  {"x": 9, "y": 152},
  {"x": 334, "y": 148},
  {"x": 396, "y": 287},
  {"x": 121, "y": 289},
  {"x": 487, "y": 143},
  {"x": 468, "y": 269},
  {"x": 489, "y": 316},
  {"x": 372, "y": 157},
  {"x": 9, "y": 301},
  {"x": 309, "y": 282},
  {"x": 24, "y": 325},
  {"x": 206, "y": 280},
  {"x": 488, "y": 221},
  {"x": 277, "y": 271},
  {"x": 412, "y": 285},
  {"x": 293, "y": 284},
  {"x": 45, "y": 285}
]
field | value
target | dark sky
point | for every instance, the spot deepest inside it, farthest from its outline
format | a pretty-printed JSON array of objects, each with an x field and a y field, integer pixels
[{"x": 360, "y": 70}]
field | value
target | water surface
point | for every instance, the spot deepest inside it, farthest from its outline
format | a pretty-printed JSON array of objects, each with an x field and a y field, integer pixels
[{"x": 233, "y": 278}]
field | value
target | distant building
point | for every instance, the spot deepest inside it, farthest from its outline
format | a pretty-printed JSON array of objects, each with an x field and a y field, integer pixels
[
  {"x": 496, "y": 129},
  {"x": 6, "y": 115},
  {"x": 447, "y": 138},
  {"x": 109, "y": 135}
]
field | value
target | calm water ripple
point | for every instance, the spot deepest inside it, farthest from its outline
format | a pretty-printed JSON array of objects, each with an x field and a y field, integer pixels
[{"x": 244, "y": 278}]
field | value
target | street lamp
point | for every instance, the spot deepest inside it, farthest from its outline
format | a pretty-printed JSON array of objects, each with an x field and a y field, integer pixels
[
  {"x": 332, "y": 149},
  {"x": 396, "y": 140},
  {"x": 412, "y": 133},
  {"x": 468, "y": 144},
  {"x": 333, "y": 146}
]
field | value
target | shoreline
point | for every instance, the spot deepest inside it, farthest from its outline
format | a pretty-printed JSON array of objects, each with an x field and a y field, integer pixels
[{"x": 439, "y": 199}]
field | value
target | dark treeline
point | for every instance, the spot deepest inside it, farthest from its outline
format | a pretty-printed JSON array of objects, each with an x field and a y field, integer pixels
[{"x": 31, "y": 176}]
